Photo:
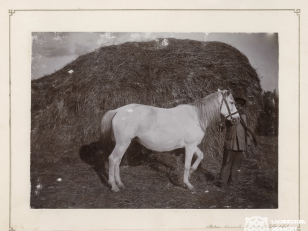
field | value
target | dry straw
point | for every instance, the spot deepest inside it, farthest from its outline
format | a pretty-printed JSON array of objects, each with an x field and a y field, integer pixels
[{"x": 67, "y": 107}]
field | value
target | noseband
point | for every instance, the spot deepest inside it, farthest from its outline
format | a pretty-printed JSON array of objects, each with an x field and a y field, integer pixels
[{"x": 229, "y": 111}]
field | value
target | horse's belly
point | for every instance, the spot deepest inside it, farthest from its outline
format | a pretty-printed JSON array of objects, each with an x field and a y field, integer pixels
[
  {"x": 167, "y": 129},
  {"x": 161, "y": 141}
]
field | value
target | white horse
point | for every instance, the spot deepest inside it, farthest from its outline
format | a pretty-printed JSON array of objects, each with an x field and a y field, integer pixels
[{"x": 162, "y": 130}]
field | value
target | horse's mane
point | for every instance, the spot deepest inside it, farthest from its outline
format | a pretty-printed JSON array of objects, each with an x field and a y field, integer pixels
[{"x": 208, "y": 111}]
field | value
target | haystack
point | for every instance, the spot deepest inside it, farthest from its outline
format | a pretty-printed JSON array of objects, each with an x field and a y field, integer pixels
[{"x": 67, "y": 106}]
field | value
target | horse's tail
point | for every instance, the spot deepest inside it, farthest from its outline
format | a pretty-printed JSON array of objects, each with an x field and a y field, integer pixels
[{"x": 106, "y": 131}]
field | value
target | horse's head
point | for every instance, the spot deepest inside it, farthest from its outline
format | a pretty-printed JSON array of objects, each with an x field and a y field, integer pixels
[{"x": 227, "y": 106}]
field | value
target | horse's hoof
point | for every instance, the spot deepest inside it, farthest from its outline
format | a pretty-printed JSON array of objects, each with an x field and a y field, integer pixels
[
  {"x": 121, "y": 185},
  {"x": 115, "y": 189},
  {"x": 190, "y": 187}
]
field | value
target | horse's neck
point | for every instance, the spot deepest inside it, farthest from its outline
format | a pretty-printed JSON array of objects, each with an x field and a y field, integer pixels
[{"x": 208, "y": 112}]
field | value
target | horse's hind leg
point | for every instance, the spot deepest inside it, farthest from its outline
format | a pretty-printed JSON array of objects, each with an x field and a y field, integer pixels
[
  {"x": 114, "y": 162},
  {"x": 118, "y": 157},
  {"x": 189, "y": 151},
  {"x": 198, "y": 160},
  {"x": 111, "y": 180}
]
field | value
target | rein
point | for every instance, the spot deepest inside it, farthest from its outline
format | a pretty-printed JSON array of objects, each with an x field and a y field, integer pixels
[{"x": 249, "y": 130}]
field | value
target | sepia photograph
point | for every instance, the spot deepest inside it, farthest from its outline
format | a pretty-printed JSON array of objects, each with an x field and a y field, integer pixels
[
  {"x": 149, "y": 120},
  {"x": 153, "y": 117}
]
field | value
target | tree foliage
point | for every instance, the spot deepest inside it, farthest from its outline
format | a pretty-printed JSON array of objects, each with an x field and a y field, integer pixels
[{"x": 268, "y": 121}]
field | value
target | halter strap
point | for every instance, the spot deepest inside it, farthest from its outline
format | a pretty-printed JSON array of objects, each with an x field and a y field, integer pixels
[
  {"x": 227, "y": 105},
  {"x": 232, "y": 114}
]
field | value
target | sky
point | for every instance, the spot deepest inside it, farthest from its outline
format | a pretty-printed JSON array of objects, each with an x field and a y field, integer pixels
[{"x": 53, "y": 50}]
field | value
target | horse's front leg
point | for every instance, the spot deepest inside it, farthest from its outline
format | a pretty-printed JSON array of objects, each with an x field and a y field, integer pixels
[
  {"x": 198, "y": 160},
  {"x": 189, "y": 151}
]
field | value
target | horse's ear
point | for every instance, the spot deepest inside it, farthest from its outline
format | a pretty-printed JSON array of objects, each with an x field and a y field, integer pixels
[{"x": 219, "y": 90}]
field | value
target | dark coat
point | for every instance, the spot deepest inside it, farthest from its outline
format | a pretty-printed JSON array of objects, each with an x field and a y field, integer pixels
[{"x": 237, "y": 137}]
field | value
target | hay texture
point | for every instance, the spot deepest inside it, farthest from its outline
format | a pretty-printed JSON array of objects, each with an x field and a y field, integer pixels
[{"x": 67, "y": 106}]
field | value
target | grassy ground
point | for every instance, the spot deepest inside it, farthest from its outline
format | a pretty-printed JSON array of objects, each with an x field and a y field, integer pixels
[{"x": 78, "y": 179}]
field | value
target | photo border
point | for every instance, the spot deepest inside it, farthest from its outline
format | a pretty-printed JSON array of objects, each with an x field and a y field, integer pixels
[{"x": 12, "y": 12}]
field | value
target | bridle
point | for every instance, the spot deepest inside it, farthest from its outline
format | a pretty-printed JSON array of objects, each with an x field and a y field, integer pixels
[
  {"x": 233, "y": 120},
  {"x": 224, "y": 94}
]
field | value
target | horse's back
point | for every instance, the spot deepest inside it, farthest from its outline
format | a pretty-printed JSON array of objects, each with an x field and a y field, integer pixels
[
  {"x": 150, "y": 116},
  {"x": 131, "y": 118}
]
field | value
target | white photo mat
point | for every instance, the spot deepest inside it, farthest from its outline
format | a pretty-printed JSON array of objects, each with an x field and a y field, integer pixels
[{"x": 23, "y": 23}]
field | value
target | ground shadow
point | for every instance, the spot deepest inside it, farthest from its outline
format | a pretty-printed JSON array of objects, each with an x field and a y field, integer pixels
[
  {"x": 163, "y": 168},
  {"x": 94, "y": 156},
  {"x": 97, "y": 157},
  {"x": 208, "y": 175}
]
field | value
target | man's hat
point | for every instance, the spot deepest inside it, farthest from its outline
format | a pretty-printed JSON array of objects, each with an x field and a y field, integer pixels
[{"x": 240, "y": 100}]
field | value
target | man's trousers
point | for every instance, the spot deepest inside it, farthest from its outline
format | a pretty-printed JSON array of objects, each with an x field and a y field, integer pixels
[{"x": 230, "y": 166}]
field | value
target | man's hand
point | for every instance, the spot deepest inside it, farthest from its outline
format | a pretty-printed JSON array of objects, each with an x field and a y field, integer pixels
[{"x": 221, "y": 126}]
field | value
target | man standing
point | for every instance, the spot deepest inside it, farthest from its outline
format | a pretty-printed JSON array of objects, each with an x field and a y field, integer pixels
[{"x": 236, "y": 142}]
